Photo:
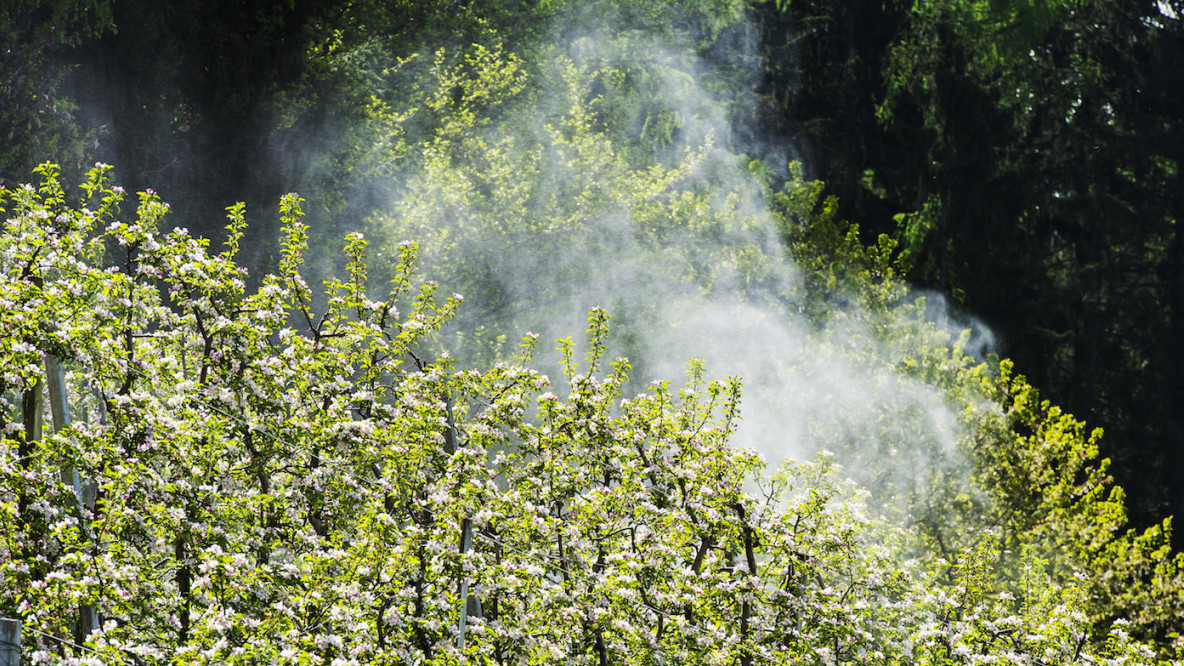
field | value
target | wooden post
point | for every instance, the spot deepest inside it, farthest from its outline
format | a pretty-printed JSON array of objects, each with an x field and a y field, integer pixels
[
  {"x": 10, "y": 642},
  {"x": 59, "y": 403},
  {"x": 31, "y": 412},
  {"x": 469, "y": 605},
  {"x": 466, "y": 547}
]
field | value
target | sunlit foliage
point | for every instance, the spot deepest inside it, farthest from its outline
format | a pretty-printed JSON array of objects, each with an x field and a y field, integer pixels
[{"x": 277, "y": 483}]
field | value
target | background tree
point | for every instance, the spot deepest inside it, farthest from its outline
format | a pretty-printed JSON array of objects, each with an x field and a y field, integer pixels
[
  {"x": 1024, "y": 154},
  {"x": 37, "y": 117}
]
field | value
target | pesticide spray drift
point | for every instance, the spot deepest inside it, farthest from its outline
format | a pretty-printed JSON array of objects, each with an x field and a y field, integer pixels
[{"x": 609, "y": 174}]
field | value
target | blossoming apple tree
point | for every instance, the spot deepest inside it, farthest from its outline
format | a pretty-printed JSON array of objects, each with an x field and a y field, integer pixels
[{"x": 277, "y": 474}]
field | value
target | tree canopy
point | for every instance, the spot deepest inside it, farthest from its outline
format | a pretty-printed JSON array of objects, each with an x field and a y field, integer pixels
[
  {"x": 258, "y": 479},
  {"x": 274, "y": 450}
]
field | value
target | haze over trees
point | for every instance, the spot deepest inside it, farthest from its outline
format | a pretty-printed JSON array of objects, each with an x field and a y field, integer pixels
[{"x": 796, "y": 456}]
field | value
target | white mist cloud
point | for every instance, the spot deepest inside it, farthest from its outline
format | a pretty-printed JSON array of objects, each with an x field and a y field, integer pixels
[{"x": 616, "y": 182}]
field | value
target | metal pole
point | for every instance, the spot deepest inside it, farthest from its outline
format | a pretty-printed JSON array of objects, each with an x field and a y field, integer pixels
[{"x": 10, "y": 642}]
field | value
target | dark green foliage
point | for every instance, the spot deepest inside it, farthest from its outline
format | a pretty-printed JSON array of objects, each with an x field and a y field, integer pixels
[
  {"x": 36, "y": 118},
  {"x": 1026, "y": 155}
]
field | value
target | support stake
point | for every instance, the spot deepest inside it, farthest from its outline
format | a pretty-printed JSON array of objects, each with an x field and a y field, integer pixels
[
  {"x": 88, "y": 619},
  {"x": 10, "y": 642},
  {"x": 468, "y": 605}
]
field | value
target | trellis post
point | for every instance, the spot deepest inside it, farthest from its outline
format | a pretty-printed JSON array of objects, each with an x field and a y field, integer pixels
[
  {"x": 10, "y": 642},
  {"x": 467, "y": 604},
  {"x": 55, "y": 375}
]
